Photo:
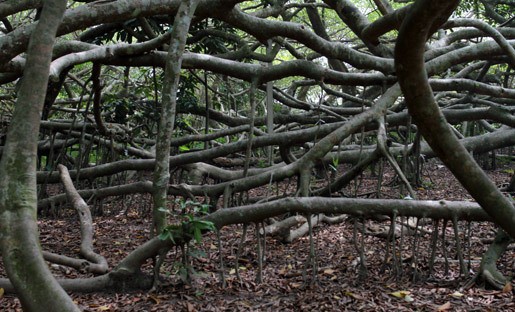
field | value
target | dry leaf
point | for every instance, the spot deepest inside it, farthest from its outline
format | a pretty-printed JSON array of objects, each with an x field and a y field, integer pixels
[
  {"x": 444, "y": 307},
  {"x": 403, "y": 294},
  {"x": 507, "y": 288},
  {"x": 408, "y": 298},
  {"x": 400, "y": 294},
  {"x": 329, "y": 271},
  {"x": 155, "y": 299},
  {"x": 457, "y": 295},
  {"x": 353, "y": 295},
  {"x": 2, "y": 291}
]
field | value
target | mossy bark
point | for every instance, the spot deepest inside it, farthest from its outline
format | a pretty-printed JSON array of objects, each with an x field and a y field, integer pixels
[
  {"x": 36, "y": 287},
  {"x": 488, "y": 269},
  {"x": 168, "y": 112}
]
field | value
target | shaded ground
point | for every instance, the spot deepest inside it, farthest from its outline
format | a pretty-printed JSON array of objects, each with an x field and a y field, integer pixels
[{"x": 396, "y": 281}]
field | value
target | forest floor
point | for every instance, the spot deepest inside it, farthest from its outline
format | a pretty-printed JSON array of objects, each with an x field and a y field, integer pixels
[{"x": 398, "y": 281}]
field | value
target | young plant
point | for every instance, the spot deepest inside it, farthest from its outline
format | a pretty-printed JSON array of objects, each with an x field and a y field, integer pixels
[{"x": 190, "y": 227}]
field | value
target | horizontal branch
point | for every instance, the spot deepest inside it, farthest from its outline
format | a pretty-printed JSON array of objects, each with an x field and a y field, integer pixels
[
  {"x": 459, "y": 210},
  {"x": 130, "y": 265}
]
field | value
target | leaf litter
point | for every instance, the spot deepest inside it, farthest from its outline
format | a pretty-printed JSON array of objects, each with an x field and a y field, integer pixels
[{"x": 288, "y": 280}]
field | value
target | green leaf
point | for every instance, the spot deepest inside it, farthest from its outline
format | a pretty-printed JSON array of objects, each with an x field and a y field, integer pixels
[
  {"x": 165, "y": 235},
  {"x": 336, "y": 161},
  {"x": 204, "y": 225}
]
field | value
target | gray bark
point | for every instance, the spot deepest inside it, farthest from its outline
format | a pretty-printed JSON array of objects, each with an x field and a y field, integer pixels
[
  {"x": 168, "y": 112},
  {"x": 421, "y": 22},
  {"x": 19, "y": 243}
]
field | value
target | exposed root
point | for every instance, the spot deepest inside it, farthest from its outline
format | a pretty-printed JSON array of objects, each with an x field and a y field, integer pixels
[{"x": 488, "y": 272}]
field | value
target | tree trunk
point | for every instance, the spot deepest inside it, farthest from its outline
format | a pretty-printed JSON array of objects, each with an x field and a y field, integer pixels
[
  {"x": 168, "y": 112},
  {"x": 172, "y": 77},
  {"x": 19, "y": 242}
]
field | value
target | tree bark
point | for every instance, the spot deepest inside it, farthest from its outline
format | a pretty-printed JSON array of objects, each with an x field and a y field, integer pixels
[
  {"x": 19, "y": 242},
  {"x": 168, "y": 112},
  {"x": 86, "y": 223},
  {"x": 423, "y": 19}
]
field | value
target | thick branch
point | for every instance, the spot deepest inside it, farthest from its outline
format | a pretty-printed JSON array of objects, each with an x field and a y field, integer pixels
[{"x": 409, "y": 57}]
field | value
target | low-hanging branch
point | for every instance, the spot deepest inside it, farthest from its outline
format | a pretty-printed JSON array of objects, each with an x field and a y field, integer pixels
[{"x": 128, "y": 273}]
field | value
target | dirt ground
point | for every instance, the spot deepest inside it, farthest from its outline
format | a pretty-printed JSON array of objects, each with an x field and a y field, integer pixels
[{"x": 398, "y": 281}]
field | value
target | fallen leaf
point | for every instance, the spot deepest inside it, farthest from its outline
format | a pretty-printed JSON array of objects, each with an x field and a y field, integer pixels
[
  {"x": 329, "y": 271},
  {"x": 403, "y": 294},
  {"x": 104, "y": 308},
  {"x": 457, "y": 295},
  {"x": 408, "y": 298},
  {"x": 444, "y": 307},
  {"x": 155, "y": 299},
  {"x": 400, "y": 294},
  {"x": 353, "y": 295},
  {"x": 507, "y": 288},
  {"x": 2, "y": 291}
]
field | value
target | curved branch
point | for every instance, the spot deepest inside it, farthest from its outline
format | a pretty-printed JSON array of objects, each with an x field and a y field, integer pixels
[
  {"x": 409, "y": 58},
  {"x": 86, "y": 221},
  {"x": 100, "y": 12},
  {"x": 105, "y": 52},
  {"x": 13, "y": 6},
  {"x": 384, "y": 24},
  {"x": 487, "y": 29}
]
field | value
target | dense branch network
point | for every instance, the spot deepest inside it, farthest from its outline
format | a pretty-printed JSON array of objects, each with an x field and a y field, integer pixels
[{"x": 320, "y": 73}]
